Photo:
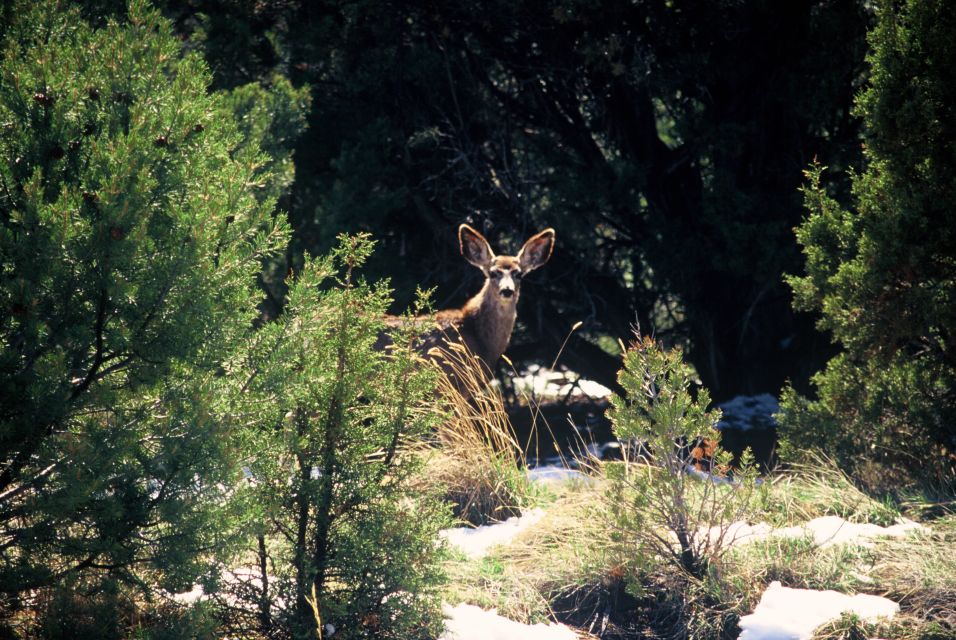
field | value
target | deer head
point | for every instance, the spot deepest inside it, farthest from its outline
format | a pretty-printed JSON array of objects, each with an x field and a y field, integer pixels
[{"x": 503, "y": 273}]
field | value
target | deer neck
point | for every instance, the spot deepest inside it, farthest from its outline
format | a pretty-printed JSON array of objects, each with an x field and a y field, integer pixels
[{"x": 489, "y": 321}]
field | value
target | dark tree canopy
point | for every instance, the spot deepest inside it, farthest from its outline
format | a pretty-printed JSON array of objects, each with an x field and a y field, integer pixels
[{"x": 664, "y": 142}]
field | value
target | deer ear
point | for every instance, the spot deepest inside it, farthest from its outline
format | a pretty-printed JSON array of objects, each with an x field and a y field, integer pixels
[
  {"x": 536, "y": 250},
  {"x": 474, "y": 247}
]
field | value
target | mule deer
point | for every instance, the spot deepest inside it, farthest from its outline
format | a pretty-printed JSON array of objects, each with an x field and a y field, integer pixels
[{"x": 486, "y": 321}]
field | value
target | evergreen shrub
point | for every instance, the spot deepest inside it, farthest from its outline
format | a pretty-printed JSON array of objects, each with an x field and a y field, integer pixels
[
  {"x": 882, "y": 272},
  {"x": 130, "y": 241},
  {"x": 346, "y": 529},
  {"x": 672, "y": 511}
]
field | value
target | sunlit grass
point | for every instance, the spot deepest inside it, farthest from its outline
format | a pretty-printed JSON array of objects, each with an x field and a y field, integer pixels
[
  {"x": 919, "y": 572},
  {"x": 574, "y": 567},
  {"x": 817, "y": 488},
  {"x": 567, "y": 552},
  {"x": 477, "y": 461}
]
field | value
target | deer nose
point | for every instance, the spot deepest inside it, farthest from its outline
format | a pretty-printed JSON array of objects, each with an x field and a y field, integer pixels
[{"x": 507, "y": 293}]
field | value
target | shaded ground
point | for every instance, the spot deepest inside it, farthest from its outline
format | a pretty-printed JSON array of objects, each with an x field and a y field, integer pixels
[{"x": 557, "y": 431}]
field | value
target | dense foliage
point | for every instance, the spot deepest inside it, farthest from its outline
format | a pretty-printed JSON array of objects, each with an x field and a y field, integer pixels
[
  {"x": 663, "y": 140},
  {"x": 883, "y": 272},
  {"x": 341, "y": 523},
  {"x": 129, "y": 241}
]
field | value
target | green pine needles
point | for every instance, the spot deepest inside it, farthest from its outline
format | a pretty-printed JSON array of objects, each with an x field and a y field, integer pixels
[
  {"x": 136, "y": 380},
  {"x": 129, "y": 246},
  {"x": 882, "y": 273},
  {"x": 669, "y": 509},
  {"x": 339, "y": 512}
]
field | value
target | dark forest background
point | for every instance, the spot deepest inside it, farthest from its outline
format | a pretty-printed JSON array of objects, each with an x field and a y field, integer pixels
[{"x": 664, "y": 141}]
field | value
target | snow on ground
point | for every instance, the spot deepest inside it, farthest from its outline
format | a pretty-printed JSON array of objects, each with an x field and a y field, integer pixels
[
  {"x": 468, "y": 622},
  {"x": 825, "y": 532},
  {"x": 247, "y": 577},
  {"x": 546, "y": 384},
  {"x": 830, "y": 530},
  {"x": 189, "y": 597},
  {"x": 476, "y": 542},
  {"x": 749, "y": 412},
  {"x": 741, "y": 532},
  {"x": 555, "y": 474},
  {"x": 793, "y": 614}
]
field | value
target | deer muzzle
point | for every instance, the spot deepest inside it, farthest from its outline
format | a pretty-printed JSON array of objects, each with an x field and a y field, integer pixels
[{"x": 506, "y": 287}]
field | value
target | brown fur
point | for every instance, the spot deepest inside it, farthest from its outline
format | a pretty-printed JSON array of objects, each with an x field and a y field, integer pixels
[{"x": 486, "y": 321}]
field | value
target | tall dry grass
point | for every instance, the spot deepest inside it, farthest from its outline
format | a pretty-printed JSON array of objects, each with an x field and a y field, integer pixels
[
  {"x": 478, "y": 461},
  {"x": 818, "y": 487}
]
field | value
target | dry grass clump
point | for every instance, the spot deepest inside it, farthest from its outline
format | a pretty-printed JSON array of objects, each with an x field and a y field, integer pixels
[
  {"x": 576, "y": 567},
  {"x": 477, "y": 459},
  {"x": 566, "y": 561},
  {"x": 817, "y": 487},
  {"x": 850, "y": 627},
  {"x": 483, "y": 487},
  {"x": 599, "y": 581},
  {"x": 920, "y": 573},
  {"x": 571, "y": 543},
  {"x": 492, "y": 584},
  {"x": 572, "y": 567},
  {"x": 797, "y": 563}
]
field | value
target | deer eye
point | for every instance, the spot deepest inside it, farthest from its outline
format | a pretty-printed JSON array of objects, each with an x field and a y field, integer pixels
[
  {"x": 516, "y": 275},
  {"x": 496, "y": 275}
]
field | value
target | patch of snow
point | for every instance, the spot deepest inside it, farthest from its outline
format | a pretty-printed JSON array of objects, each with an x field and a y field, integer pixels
[
  {"x": 475, "y": 542},
  {"x": 593, "y": 389},
  {"x": 749, "y": 412},
  {"x": 189, "y": 597},
  {"x": 825, "y": 532},
  {"x": 468, "y": 622},
  {"x": 741, "y": 532},
  {"x": 831, "y": 530},
  {"x": 793, "y": 614},
  {"x": 608, "y": 447},
  {"x": 247, "y": 577},
  {"x": 555, "y": 474},
  {"x": 546, "y": 384}
]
